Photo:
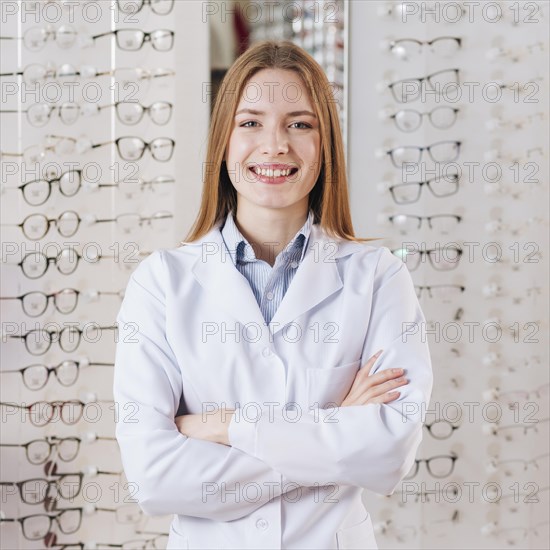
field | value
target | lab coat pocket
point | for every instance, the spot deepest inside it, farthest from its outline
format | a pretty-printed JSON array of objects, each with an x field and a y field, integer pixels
[
  {"x": 176, "y": 541},
  {"x": 328, "y": 387},
  {"x": 357, "y": 537}
]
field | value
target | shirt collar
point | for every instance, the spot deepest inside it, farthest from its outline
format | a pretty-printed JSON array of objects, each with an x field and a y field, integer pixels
[{"x": 244, "y": 252}]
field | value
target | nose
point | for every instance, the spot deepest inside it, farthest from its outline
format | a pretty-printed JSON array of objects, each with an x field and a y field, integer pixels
[{"x": 274, "y": 142}]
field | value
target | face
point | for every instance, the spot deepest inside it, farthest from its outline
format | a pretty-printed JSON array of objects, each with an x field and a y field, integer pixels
[{"x": 282, "y": 133}]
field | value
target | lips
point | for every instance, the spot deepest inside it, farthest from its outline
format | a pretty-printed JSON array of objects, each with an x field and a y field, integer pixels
[{"x": 293, "y": 170}]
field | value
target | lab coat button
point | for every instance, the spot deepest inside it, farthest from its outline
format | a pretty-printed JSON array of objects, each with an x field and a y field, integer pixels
[
  {"x": 269, "y": 295},
  {"x": 266, "y": 352},
  {"x": 261, "y": 524}
]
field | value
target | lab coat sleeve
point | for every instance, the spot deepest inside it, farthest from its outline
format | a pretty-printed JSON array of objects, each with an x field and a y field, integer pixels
[
  {"x": 170, "y": 472},
  {"x": 371, "y": 446}
]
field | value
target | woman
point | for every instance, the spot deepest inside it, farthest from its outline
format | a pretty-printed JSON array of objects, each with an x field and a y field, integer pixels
[{"x": 245, "y": 375}]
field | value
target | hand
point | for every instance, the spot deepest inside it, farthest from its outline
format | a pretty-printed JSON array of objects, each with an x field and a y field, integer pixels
[
  {"x": 212, "y": 426},
  {"x": 373, "y": 389}
]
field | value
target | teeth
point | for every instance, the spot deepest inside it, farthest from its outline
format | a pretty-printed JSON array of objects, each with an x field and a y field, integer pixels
[{"x": 271, "y": 173}]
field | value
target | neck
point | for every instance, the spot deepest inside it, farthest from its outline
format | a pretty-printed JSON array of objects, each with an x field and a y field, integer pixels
[{"x": 269, "y": 230}]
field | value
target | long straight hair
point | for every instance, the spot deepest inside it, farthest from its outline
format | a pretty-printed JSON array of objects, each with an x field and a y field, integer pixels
[{"x": 329, "y": 199}]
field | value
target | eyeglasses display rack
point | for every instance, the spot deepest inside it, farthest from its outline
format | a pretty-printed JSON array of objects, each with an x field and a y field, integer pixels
[{"x": 448, "y": 162}]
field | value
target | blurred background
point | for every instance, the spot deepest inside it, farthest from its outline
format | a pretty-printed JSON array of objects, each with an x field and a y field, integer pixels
[{"x": 103, "y": 123}]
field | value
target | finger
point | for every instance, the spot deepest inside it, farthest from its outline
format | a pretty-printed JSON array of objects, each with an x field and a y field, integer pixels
[
  {"x": 362, "y": 373},
  {"x": 383, "y": 376},
  {"x": 367, "y": 367},
  {"x": 388, "y": 386},
  {"x": 363, "y": 380},
  {"x": 386, "y": 398},
  {"x": 378, "y": 379},
  {"x": 368, "y": 397},
  {"x": 381, "y": 389}
]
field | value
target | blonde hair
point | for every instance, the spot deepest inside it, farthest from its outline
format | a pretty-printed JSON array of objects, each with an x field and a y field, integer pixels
[{"x": 329, "y": 199}]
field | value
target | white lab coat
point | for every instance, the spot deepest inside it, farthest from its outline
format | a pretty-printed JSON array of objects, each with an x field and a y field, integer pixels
[{"x": 294, "y": 474}]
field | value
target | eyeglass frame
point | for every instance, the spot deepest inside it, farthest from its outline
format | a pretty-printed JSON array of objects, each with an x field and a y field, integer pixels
[
  {"x": 49, "y": 31},
  {"x": 420, "y": 288},
  {"x": 452, "y": 456},
  {"x": 50, "y": 333},
  {"x": 49, "y": 369},
  {"x": 453, "y": 427},
  {"x": 455, "y": 110},
  {"x": 53, "y": 442},
  {"x": 536, "y": 392},
  {"x": 48, "y": 297},
  {"x": 159, "y": 215},
  {"x": 146, "y": 145},
  {"x": 49, "y": 182},
  {"x": 58, "y": 108},
  {"x": 430, "y": 252},
  {"x": 54, "y": 406},
  {"x": 53, "y": 295},
  {"x": 50, "y": 483},
  {"x": 56, "y": 259},
  {"x": 497, "y": 428},
  {"x": 49, "y": 222},
  {"x": 444, "y": 491},
  {"x": 142, "y": 3},
  {"x": 427, "y": 218},
  {"x": 420, "y": 81},
  {"x": 58, "y": 179},
  {"x": 456, "y": 180},
  {"x": 496, "y": 462},
  {"x": 53, "y": 72},
  {"x": 55, "y": 517},
  {"x": 421, "y": 150},
  {"x": 456, "y": 39},
  {"x": 146, "y": 37}
]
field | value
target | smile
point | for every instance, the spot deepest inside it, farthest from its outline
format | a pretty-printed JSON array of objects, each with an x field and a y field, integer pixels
[{"x": 272, "y": 176}]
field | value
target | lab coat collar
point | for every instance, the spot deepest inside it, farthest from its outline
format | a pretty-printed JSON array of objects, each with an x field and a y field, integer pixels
[{"x": 315, "y": 280}]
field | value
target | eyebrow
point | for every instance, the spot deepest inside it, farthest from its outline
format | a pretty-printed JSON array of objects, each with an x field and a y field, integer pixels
[{"x": 294, "y": 113}]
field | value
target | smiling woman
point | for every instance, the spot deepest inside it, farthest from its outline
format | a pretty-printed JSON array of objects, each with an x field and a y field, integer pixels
[{"x": 258, "y": 362}]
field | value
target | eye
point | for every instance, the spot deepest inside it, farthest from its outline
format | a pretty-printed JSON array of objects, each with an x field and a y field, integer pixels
[{"x": 305, "y": 125}]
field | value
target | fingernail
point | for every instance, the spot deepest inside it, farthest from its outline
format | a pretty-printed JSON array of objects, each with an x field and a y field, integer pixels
[{"x": 377, "y": 354}]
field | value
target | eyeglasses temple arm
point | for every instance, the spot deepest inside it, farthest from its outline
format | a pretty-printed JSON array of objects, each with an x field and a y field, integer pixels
[
  {"x": 102, "y": 34},
  {"x": 96, "y": 145}
]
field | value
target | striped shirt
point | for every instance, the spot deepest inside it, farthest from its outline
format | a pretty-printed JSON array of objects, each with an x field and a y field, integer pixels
[{"x": 269, "y": 284}]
